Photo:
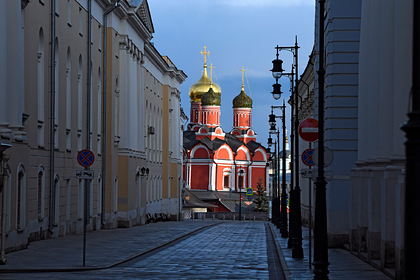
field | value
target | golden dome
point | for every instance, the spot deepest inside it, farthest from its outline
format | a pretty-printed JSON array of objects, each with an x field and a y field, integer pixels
[{"x": 201, "y": 87}]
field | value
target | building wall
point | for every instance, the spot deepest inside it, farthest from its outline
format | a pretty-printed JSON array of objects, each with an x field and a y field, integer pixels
[
  {"x": 134, "y": 79},
  {"x": 342, "y": 34},
  {"x": 377, "y": 181}
]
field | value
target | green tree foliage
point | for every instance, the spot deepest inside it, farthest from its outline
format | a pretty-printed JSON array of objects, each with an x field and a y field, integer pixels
[{"x": 261, "y": 201}]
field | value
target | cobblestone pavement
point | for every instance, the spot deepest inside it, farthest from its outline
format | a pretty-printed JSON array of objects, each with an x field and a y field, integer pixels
[
  {"x": 230, "y": 250},
  {"x": 343, "y": 264}
]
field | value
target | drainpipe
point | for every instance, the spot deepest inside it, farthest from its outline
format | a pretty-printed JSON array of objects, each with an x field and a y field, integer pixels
[
  {"x": 4, "y": 209},
  {"x": 104, "y": 112},
  {"x": 52, "y": 146}
]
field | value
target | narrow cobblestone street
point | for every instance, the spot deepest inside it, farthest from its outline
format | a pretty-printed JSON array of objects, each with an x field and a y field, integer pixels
[{"x": 230, "y": 250}]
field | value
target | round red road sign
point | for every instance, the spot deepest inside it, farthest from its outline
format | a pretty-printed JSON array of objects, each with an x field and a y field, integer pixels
[
  {"x": 308, "y": 130},
  {"x": 85, "y": 158}
]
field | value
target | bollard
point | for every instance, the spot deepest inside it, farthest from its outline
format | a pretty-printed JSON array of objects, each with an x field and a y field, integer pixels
[
  {"x": 213, "y": 217},
  {"x": 254, "y": 218},
  {"x": 234, "y": 217},
  {"x": 223, "y": 217},
  {"x": 244, "y": 218},
  {"x": 202, "y": 217},
  {"x": 192, "y": 217}
]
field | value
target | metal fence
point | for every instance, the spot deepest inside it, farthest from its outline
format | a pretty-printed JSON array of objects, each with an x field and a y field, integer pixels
[{"x": 247, "y": 216}]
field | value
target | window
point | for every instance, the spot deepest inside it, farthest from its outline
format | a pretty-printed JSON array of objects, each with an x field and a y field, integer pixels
[
  {"x": 138, "y": 190},
  {"x": 226, "y": 181},
  {"x": 68, "y": 101},
  {"x": 20, "y": 198},
  {"x": 79, "y": 104},
  {"x": 241, "y": 182},
  {"x": 80, "y": 200},
  {"x": 41, "y": 193},
  {"x": 56, "y": 91},
  {"x": 80, "y": 22},
  {"x": 69, "y": 12},
  {"x": 40, "y": 76},
  {"x": 68, "y": 197},
  {"x": 115, "y": 206},
  {"x": 99, "y": 116},
  {"x": 57, "y": 200},
  {"x": 99, "y": 38},
  {"x": 99, "y": 193}
]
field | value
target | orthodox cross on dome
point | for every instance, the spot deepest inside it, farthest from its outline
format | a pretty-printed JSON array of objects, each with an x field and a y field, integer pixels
[
  {"x": 243, "y": 73},
  {"x": 205, "y": 53},
  {"x": 211, "y": 71}
]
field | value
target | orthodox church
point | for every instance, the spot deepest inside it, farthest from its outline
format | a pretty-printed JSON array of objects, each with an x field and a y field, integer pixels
[{"x": 219, "y": 165}]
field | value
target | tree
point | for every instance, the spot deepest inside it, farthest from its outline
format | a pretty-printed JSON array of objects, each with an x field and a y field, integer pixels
[{"x": 261, "y": 202}]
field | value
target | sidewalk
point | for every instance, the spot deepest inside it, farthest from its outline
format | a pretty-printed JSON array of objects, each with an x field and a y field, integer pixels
[
  {"x": 343, "y": 264},
  {"x": 104, "y": 248}
]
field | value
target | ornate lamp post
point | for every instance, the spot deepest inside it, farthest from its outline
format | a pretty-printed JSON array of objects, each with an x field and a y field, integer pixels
[
  {"x": 412, "y": 151},
  {"x": 240, "y": 182},
  {"x": 295, "y": 209},
  {"x": 283, "y": 201},
  {"x": 320, "y": 230},
  {"x": 275, "y": 218}
]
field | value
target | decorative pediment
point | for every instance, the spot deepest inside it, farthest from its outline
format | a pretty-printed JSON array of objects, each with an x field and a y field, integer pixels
[{"x": 143, "y": 13}]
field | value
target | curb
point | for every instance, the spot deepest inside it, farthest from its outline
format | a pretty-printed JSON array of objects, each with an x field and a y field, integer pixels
[
  {"x": 280, "y": 255},
  {"x": 75, "y": 269}
]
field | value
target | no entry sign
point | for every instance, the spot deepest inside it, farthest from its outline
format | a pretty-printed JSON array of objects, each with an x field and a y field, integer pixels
[
  {"x": 308, "y": 129},
  {"x": 85, "y": 158}
]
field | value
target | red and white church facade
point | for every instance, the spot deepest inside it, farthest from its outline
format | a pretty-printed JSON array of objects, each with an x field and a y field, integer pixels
[{"x": 219, "y": 164}]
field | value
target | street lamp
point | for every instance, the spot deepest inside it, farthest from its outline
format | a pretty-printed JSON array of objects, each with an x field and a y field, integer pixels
[
  {"x": 283, "y": 213},
  {"x": 412, "y": 151},
  {"x": 320, "y": 229},
  {"x": 240, "y": 182},
  {"x": 274, "y": 164},
  {"x": 276, "y": 197},
  {"x": 277, "y": 72},
  {"x": 295, "y": 208}
]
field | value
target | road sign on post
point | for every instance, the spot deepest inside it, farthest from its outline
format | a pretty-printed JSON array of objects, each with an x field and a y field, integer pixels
[
  {"x": 328, "y": 156},
  {"x": 84, "y": 174},
  {"x": 249, "y": 191},
  {"x": 308, "y": 130},
  {"x": 85, "y": 158},
  {"x": 307, "y": 157}
]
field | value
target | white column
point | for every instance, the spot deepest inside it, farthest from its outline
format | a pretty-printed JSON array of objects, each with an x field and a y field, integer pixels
[
  {"x": 363, "y": 83},
  {"x": 374, "y": 79},
  {"x": 402, "y": 70},
  {"x": 3, "y": 70},
  {"x": 15, "y": 100},
  {"x": 386, "y": 73}
]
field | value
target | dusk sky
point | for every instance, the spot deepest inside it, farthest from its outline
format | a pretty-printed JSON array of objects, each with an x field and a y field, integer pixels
[{"x": 237, "y": 33}]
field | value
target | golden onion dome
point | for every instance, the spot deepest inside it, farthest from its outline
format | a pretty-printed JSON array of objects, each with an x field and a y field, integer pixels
[
  {"x": 242, "y": 100},
  {"x": 201, "y": 87},
  {"x": 210, "y": 98}
]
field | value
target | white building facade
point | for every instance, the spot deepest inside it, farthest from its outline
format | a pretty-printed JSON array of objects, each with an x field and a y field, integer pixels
[
  {"x": 54, "y": 103},
  {"x": 368, "y": 54}
]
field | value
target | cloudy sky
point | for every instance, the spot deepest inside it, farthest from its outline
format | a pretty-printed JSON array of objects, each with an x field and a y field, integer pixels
[{"x": 237, "y": 33}]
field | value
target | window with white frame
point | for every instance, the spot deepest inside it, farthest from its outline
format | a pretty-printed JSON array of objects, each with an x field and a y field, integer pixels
[
  {"x": 99, "y": 195},
  {"x": 20, "y": 198},
  {"x": 40, "y": 76},
  {"x": 41, "y": 192},
  {"x": 68, "y": 100},
  {"x": 68, "y": 197}
]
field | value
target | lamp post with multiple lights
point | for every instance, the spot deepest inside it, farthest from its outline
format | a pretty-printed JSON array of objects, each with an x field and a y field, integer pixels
[
  {"x": 295, "y": 211},
  {"x": 283, "y": 201},
  {"x": 320, "y": 229},
  {"x": 275, "y": 197},
  {"x": 240, "y": 182}
]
